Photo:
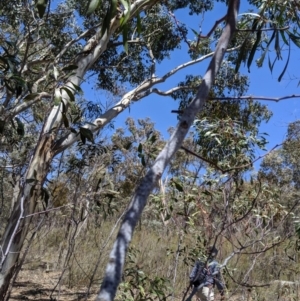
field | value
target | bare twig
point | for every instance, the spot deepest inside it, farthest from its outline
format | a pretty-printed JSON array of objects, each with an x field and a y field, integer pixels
[
  {"x": 213, "y": 28},
  {"x": 232, "y": 168},
  {"x": 244, "y": 283},
  {"x": 237, "y": 98},
  {"x": 183, "y": 34},
  {"x": 187, "y": 290},
  {"x": 202, "y": 158},
  {"x": 45, "y": 211},
  {"x": 100, "y": 255},
  {"x": 253, "y": 97},
  {"x": 265, "y": 29}
]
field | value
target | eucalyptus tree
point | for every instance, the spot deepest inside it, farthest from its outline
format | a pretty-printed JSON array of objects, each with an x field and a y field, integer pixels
[
  {"x": 280, "y": 168},
  {"x": 50, "y": 49}
]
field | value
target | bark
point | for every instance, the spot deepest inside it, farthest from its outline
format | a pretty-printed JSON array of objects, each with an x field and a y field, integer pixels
[
  {"x": 38, "y": 168},
  {"x": 116, "y": 262},
  {"x": 18, "y": 224}
]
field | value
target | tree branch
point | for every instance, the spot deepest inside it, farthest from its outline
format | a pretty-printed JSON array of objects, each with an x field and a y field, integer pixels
[
  {"x": 253, "y": 97},
  {"x": 265, "y": 29},
  {"x": 25, "y": 105},
  {"x": 117, "y": 256},
  {"x": 227, "y": 169},
  {"x": 69, "y": 44},
  {"x": 134, "y": 95},
  {"x": 96, "y": 46},
  {"x": 153, "y": 64},
  {"x": 213, "y": 28}
]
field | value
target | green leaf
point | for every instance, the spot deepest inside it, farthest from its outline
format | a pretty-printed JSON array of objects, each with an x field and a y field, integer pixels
[
  {"x": 11, "y": 62},
  {"x": 4, "y": 64},
  {"x": 152, "y": 139},
  {"x": 41, "y": 7},
  {"x": 86, "y": 133},
  {"x": 271, "y": 39},
  {"x": 271, "y": 65},
  {"x": 126, "y": 16},
  {"x": 77, "y": 88},
  {"x": 31, "y": 96},
  {"x": 30, "y": 181},
  {"x": 294, "y": 38},
  {"x": 254, "y": 48},
  {"x": 138, "y": 24},
  {"x": 125, "y": 38},
  {"x": 82, "y": 137},
  {"x": 140, "y": 148},
  {"x": 65, "y": 120},
  {"x": 69, "y": 92},
  {"x": 20, "y": 127},
  {"x": 262, "y": 58},
  {"x": 178, "y": 186},
  {"x": 284, "y": 38},
  {"x": 57, "y": 97},
  {"x": 5, "y": 50},
  {"x": 195, "y": 32},
  {"x": 260, "y": 61},
  {"x": 128, "y": 145},
  {"x": 45, "y": 196},
  {"x": 19, "y": 80},
  {"x": 8, "y": 86},
  {"x": 77, "y": 118},
  {"x": 2, "y": 125},
  {"x": 64, "y": 109},
  {"x": 109, "y": 15},
  {"x": 242, "y": 56},
  {"x": 70, "y": 67},
  {"x": 277, "y": 45},
  {"x": 94, "y": 4},
  {"x": 285, "y": 67}
]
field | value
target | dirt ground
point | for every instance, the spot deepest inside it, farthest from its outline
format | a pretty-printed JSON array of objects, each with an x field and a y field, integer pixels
[{"x": 39, "y": 285}]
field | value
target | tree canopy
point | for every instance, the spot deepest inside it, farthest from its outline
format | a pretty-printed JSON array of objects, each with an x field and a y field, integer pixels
[{"x": 51, "y": 134}]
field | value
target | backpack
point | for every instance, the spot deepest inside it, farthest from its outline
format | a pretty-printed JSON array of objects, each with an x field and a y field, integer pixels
[{"x": 198, "y": 273}]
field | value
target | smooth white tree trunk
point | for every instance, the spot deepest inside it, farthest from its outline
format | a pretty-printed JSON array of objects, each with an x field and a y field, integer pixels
[{"x": 116, "y": 262}]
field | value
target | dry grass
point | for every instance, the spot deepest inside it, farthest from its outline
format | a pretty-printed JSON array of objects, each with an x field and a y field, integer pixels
[{"x": 65, "y": 263}]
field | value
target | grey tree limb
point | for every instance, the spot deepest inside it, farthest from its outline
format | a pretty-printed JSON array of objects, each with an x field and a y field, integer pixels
[{"x": 116, "y": 262}]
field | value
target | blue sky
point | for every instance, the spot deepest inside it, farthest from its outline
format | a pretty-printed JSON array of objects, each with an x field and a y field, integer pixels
[{"x": 262, "y": 83}]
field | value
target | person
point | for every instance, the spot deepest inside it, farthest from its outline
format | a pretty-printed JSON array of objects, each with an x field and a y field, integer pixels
[{"x": 205, "y": 275}]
